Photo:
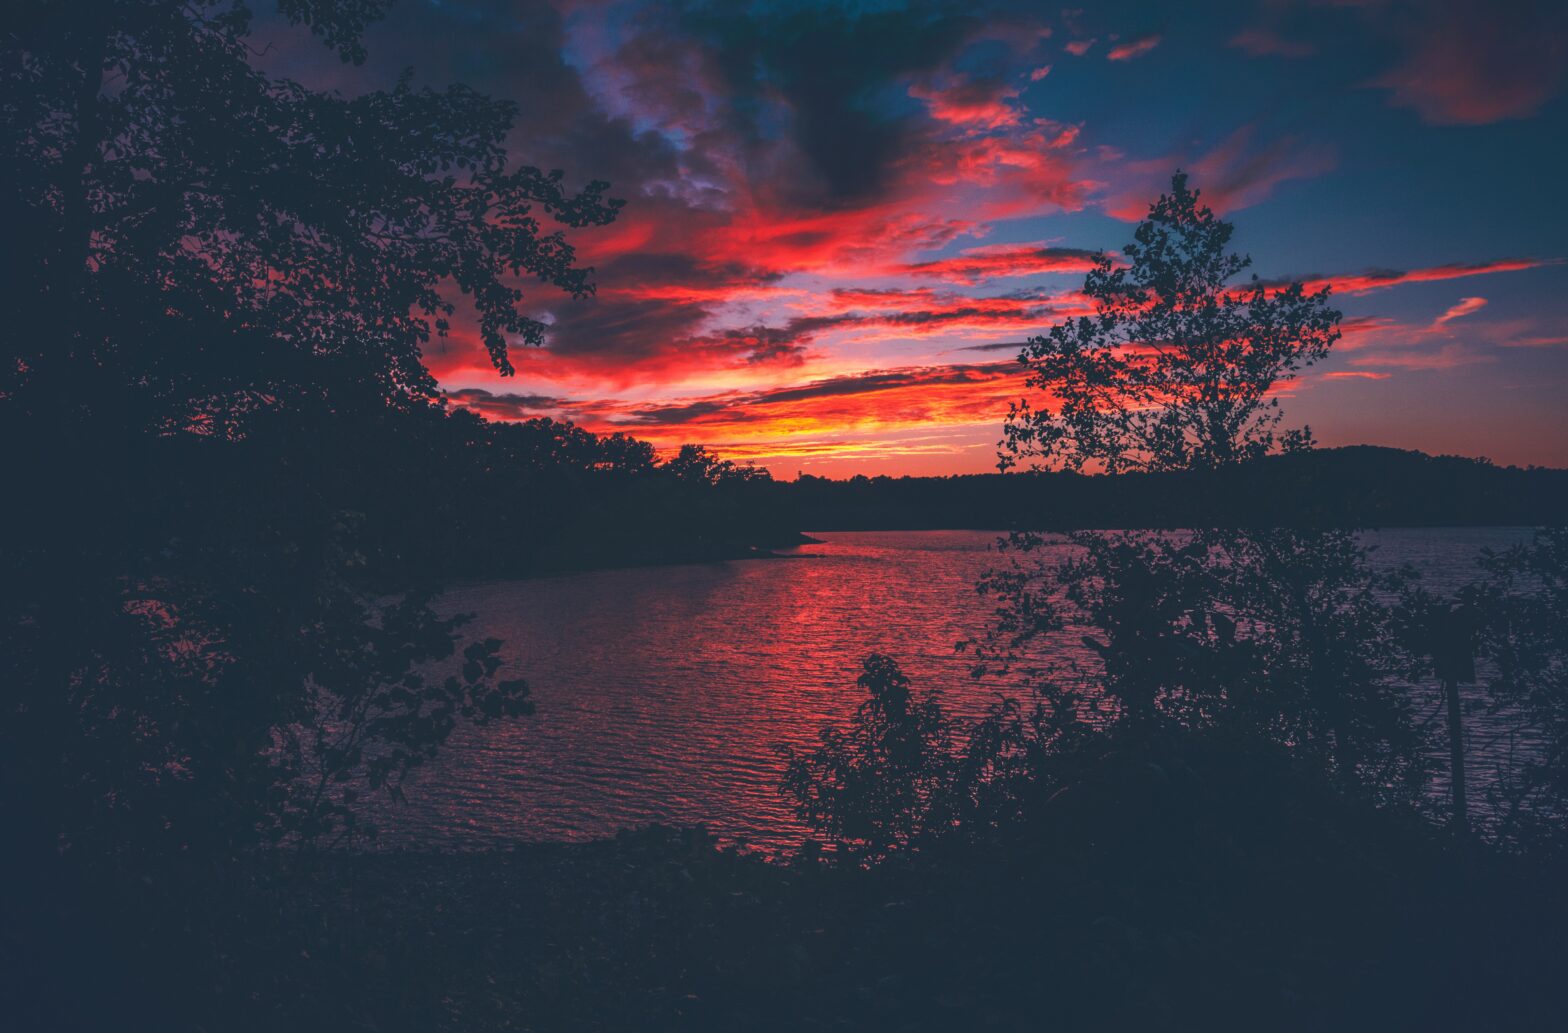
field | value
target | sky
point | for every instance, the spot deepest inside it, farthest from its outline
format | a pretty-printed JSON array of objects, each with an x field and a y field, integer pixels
[{"x": 843, "y": 220}]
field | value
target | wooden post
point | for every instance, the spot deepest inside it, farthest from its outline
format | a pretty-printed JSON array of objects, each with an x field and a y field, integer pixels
[
  {"x": 1456, "y": 757},
  {"x": 1453, "y": 660}
]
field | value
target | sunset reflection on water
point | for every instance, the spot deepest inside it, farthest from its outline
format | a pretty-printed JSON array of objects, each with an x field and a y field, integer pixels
[{"x": 664, "y": 693}]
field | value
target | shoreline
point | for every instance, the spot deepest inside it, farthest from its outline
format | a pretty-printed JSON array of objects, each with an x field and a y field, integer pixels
[{"x": 768, "y": 552}]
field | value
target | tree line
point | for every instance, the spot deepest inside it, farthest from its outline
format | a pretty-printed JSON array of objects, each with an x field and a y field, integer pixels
[{"x": 1356, "y": 486}]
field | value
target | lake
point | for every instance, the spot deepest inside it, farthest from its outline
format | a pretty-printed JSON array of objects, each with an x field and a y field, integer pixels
[{"x": 664, "y": 693}]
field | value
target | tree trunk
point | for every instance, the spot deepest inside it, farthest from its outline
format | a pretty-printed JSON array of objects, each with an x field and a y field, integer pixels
[{"x": 1456, "y": 757}]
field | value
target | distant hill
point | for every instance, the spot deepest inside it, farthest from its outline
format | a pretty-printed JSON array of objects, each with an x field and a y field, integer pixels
[{"x": 1363, "y": 486}]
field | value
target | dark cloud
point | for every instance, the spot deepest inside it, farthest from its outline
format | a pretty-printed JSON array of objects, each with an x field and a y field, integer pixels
[
  {"x": 752, "y": 141},
  {"x": 622, "y": 330},
  {"x": 1262, "y": 41},
  {"x": 652, "y": 269},
  {"x": 830, "y": 69},
  {"x": 510, "y": 49},
  {"x": 521, "y": 401},
  {"x": 997, "y": 346},
  {"x": 691, "y": 412},
  {"x": 977, "y": 265},
  {"x": 866, "y": 383},
  {"x": 509, "y": 406},
  {"x": 615, "y": 335},
  {"x": 748, "y": 407},
  {"x": 784, "y": 344},
  {"x": 736, "y": 407}
]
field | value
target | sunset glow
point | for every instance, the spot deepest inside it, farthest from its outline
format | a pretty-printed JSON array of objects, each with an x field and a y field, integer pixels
[{"x": 834, "y": 271}]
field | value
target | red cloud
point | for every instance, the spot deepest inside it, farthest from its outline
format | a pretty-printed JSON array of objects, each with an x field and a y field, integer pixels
[
  {"x": 1535, "y": 341},
  {"x": 727, "y": 199},
  {"x": 1465, "y": 307},
  {"x": 1473, "y": 62},
  {"x": 1236, "y": 173},
  {"x": 1384, "y": 342},
  {"x": 1382, "y": 279},
  {"x": 758, "y": 185},
  {"x": 1005, "y": 176},
  {"x": 976, "y": 103},
  {"x": 999, "y": 261},
  {"x": 1448, "y": 356},
  {"x": 1133, "y": 48}
]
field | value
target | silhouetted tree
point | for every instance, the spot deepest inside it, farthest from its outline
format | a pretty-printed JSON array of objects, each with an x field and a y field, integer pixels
[
  {"x": 1174, "y": 369},
  {"x": 874, "y": 787},
  {"x": 218, "y": 278},
  {"x": 1521, "y": 611},
  {"x": 1279, "y": 643},
  {"x": 695, "y": 464},
  {"x": 208, "y": 241},
  {"x": 1285, "y": 634}
]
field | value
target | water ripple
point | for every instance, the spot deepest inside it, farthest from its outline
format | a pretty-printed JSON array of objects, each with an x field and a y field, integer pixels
[{"x": 664, "y": 693}]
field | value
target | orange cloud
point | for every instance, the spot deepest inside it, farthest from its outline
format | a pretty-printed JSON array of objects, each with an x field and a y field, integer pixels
[{"x": 796, "y": 420}]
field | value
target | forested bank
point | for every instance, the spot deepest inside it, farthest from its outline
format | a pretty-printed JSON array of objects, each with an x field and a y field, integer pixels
[{"x": 1360, "y": 486}]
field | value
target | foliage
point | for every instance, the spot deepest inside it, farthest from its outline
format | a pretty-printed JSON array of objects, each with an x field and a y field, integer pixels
[
  {"x": 1522, "y": 606},
  {"x": 697, "y": 465},
  {"x": 879, "y": 784},
  {"x": 1176, "y": 367},
  {"x": 211, "y": 240},
  {"x": 1248, "y": 686},
  {"x": 1281, "y": 636},
  {"x": 444, "y": 494},
  {"x": 907, "y": 776},
  {"x": 1330, "y": 655},
  {"x": 222, "y": 288},
  {"x": 371, "y": 714},
  {"x": 1284, "y": 635}
]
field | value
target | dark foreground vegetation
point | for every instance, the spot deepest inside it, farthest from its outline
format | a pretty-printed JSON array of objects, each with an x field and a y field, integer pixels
[
  {"x": 237, "y": 486},
  {"x": 1169, "y": 897}
]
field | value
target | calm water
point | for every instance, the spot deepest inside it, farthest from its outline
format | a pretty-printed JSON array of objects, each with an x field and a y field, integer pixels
[{"x": 664, "y": 693}]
